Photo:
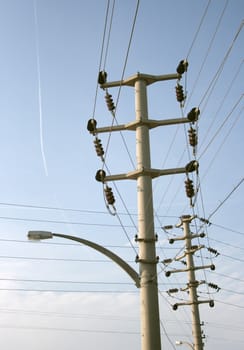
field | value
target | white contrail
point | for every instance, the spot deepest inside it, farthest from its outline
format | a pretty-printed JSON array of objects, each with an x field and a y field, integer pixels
[{"x": 39, "y": 88}]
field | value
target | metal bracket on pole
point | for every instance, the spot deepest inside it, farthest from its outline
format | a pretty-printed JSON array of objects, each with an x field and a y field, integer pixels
[
  {"x": 146, "y": 240},
  {"x": 147, "y": 261}
]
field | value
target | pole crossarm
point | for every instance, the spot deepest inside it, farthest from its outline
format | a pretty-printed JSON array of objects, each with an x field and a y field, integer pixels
[
  {"x": 152, "y": 173},
  {"x": 192, "y": 268},
  {"x": 151, "y": 123},
  {"x": 38, "y": 235},
  {"x": 147, "y": 78},
  {"x": 193, "y": 303},
  {"x": 133, "y": 175}
]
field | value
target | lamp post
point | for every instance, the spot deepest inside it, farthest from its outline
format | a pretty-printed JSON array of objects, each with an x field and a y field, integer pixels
[{"x": 179, "y": 342}]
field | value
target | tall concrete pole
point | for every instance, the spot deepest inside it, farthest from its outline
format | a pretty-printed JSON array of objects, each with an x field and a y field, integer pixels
[
  {"x": 150, "y": 322},
  {"x": 146, "y": 238},
  {"x": 196, "y": 325}
]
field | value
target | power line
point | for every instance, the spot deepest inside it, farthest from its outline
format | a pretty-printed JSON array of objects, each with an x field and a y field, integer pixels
[
  {"x": 69, "y": 291},
  {"x": 227, "y": 244},
  {"x": 29, "y": 206},
  {"x": 223, "y": 100},
  {"x": 63, "y": 281},
  {"x": 227, "y": 229},
  {"x": 232, "y": 257},
  {"x": 223, "y": 142},
  {"x": 208, "y": 51},
  {"x": 70, "y": 244},
  {"x": 58, "y": 259},
  {"x": 62, "y": 222},
  {"x": 228, "y": 276},
  {"x": 226, "y": 198},
  {"x": 232, "y": 291},
  {"x": 230, "y": 304},
  {"x": 101, "y": 55},
  {"x": 198, "y": 29},
  {"x": 96, "y": 331},
  {"x": 69, "y": 315},
  {"x": 84, "y": 211},
  {"x": 213, "y": 82},
  {"x": 221, "y": 126},
  {"x": 70, "y": 281},
  {"x": 119, "y": 91}
]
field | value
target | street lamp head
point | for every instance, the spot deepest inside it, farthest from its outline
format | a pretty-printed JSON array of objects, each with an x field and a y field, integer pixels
[
  {"x": 39, "y": 235},
  {"x": 180, "y": 342}
]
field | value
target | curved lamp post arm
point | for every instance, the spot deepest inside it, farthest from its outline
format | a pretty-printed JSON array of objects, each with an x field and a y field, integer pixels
[{"x": 39, "y": 235}]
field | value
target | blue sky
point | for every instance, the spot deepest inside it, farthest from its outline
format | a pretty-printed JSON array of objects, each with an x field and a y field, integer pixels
[{"x": 49, "y": 62}]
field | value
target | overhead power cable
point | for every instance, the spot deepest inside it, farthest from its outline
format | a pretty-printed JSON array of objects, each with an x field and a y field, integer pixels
[
  {"x": 222, "y": 125},
  {"x": 37, "y": 312},
  {"x": 64, "y": 281},
  {"x": 227, "y": 244},
  {"x": 60, "y": 259},
  {"x": 228, "y": 90},
  {"x": 64, "y": 244},
  {"x": 119, "y": 91},
  {"x": 29, "y": 206},
  {"x": 228, "y": 276},
  {"x": 232, "y": 258},
  {"x": 101, "y": 54},
  {"x": 226, "y": 198},
  {"x": 108, "y": 37},
  {"x": 208, "y": 51},
  {"x": 62, "y": 222},
  {"x": 223, "y": 142},
  {"x": 213, "y": 82},
  {"x": 227, "y": 228},
  {"x": 230, "y": 304},
  {"x": 61, "y": 329},
  {"x": 113, "y": 110},
  {"x": 69, "y": 291},
  {"x": 198, "y": 29}
]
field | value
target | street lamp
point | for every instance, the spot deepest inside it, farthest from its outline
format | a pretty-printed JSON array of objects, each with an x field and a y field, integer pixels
[{"x": 179, "y": 342}]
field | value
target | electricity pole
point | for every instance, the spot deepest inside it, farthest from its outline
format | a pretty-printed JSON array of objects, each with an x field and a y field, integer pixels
[
  {"x": 146, "y": 238},
  {"x": 192, "y": 284}
]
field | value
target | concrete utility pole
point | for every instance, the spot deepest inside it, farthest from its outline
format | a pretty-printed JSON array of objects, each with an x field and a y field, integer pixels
[
  {"x": 150, "y": 321},
  {"x": 193, "y": 284},
  {"x": 146, "y": 238}
]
